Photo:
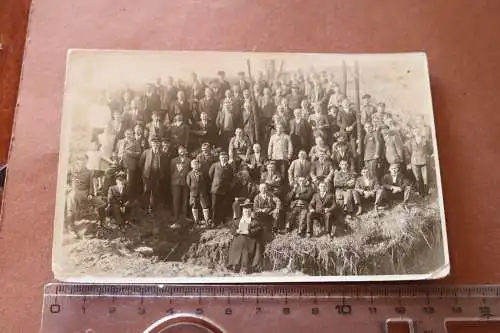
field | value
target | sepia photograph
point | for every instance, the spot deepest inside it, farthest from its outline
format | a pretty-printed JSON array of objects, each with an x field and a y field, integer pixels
[{"x": 242, "y": 167}]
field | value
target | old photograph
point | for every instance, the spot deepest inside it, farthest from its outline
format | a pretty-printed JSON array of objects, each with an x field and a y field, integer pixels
[{"x": 188, "y": 166}]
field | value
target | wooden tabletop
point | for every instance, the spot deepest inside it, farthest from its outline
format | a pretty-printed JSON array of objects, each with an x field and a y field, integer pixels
[{"x": 460, "y": 38}]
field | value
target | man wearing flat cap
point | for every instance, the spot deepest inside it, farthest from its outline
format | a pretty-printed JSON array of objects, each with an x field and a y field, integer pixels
[
  {"x": 151, "y": 163},
  {"x": 242, "y": 82},
  {"x": 223, "y": 84}
]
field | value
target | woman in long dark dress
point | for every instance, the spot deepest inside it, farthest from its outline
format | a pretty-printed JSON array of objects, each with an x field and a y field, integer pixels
[{"x": 245, "y": 252}]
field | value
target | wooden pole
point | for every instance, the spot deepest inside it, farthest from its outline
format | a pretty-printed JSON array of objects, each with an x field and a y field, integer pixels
[
  {"x": 344, "y": 78},
  {"x": 358, "y": 112},
  {"x": 254, "y": 102}
]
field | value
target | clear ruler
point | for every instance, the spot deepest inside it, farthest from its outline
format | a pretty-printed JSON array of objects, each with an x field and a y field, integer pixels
[{"x": 84, "y": 308}]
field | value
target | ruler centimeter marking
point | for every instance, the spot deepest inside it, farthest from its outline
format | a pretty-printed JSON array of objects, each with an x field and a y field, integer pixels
[{"x": 264, "y": 308}]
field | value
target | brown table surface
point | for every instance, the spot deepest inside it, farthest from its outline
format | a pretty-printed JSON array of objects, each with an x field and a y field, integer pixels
[{"x": 461, "y": 39}]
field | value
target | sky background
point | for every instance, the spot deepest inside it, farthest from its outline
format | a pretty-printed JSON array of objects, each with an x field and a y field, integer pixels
[{"x": 400, "y": 80}]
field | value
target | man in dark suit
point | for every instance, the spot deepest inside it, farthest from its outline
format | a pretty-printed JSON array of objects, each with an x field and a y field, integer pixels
[
  {"x": 299, "y": 199},
  {"x": 181, "y": 107},
  {"x": 151, "y": 101},
  {"x": 119, "y": 202},
  {"x": 152, "y": 173},
  {"x": 341, "y": 150},
  {"x": 223, "y": 84},
  {"x": 210, "y": 105},
  {"x": 179, "y": 168},
  {"x": 134, "y": 115},
  {"x": 204, "y": 131},
  {"x": 222, "y": 176},
  {"x": 372, "y": 150},
  {"x": 256, "y": 162},
  {"x": 300, "y": 132},
  {"x": 394, "y": 187},
  {"x": 321, "y": 208},
  {"x": 155, "y": 127},
  {"x": 244, "y": 192},
  {"x": 365, "y": 189}
]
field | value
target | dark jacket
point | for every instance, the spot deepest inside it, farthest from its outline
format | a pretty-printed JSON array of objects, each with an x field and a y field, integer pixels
[
  {"x": 319, "y": 204},
  {"x": 401, "y": 181},
  {"x": 222, "y": 178},
  {"x": 117, "y": 198},
  {"x": 197, "y": 182},
  {"x": 300, "y": 198},
  {"x": 300, "y": 134},
  {"x": 372, "y": 146},
  {"x": 146, "y": 163},
  {"x": 179, "y": 170}
]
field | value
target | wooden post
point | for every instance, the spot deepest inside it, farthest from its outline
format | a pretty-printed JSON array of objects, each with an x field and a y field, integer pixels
[
  {"x": 344, "y": 78},
  {"x": 254, "y": 102},
  {"x": 358, "y": 112}
]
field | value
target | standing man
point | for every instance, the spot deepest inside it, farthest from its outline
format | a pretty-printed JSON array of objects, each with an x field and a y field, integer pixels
[
  {"x": 179, "y": 133},
  {"x": 300, "y": 132},
  {"x": 129, "y": 153},
  {"x": 280, "y": 149},
  {"x": 209, "y": 105},
  {"x": 151, "y": 101},
  {"x": 418, "y": 149},
  {"x": 222, "y": 176},
  {"x": 181, "y": 107},
  {"x": 155, "y": 127},
  {"x": 372, "y": 150},
  {"x": 256, "y": 162},
  {"x": 179, "y": 169},
  {"x": 223, "y": 84},
  {"x": 344, "y": 182},
  {"x": 394, "y": 147},
  {"x": 198, "y": 192},
  {"x": 204, "y": 131},
  {"x": 152, "y": 173},
  {"x": 367, "y": 109},
  {"x": 226, "y": 123}
]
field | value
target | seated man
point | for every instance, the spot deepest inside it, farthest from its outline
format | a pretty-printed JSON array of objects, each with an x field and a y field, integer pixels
[
  {"x": 244, "y": 192},
  {"x": 344, "y": 181},
  {"x": 273, "y": 179},
  {"x": 365, "y": 189},
  {"x": 299, "y": 199},
  {"x": 321, "y": 208},
  {"x": 301, "y": 167},
  {"x": 119, "y": 202},
  {"x": 267, "y": 206},
  {"x": 198, "y": 184},
  {"x": 322, "y": 170},
  {"x": 394, "y": 187}
]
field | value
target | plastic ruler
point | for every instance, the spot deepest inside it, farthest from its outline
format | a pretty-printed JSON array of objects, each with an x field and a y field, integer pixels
[{"x": 85, "y": 308}]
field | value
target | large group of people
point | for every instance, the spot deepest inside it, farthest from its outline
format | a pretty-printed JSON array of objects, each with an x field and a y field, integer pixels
[{"x": 272, "y": 154}]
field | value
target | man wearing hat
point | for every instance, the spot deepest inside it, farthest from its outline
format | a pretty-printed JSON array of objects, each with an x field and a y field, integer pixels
[
  {"x": 221, "y": 176},
  {"x": 152, "y": 173},
  {"x": 246, "y": 249},
  {"x": 129, "y": 153},
  {"x": 367, "y": 109},
  {"x": 242, "y": 82},
  {"x": 179, "y": 133},
  {"x": 179, "y": 168},
  {"x": 223, "y": 84},
  {"x": 300, "y": 132}
]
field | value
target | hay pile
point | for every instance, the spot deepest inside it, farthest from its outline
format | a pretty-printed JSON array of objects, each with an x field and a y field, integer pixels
[{"x": 389, "y": 242}]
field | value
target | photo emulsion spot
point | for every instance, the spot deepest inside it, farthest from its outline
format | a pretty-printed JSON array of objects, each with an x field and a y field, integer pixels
[{"x": 248, "y": 167}]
